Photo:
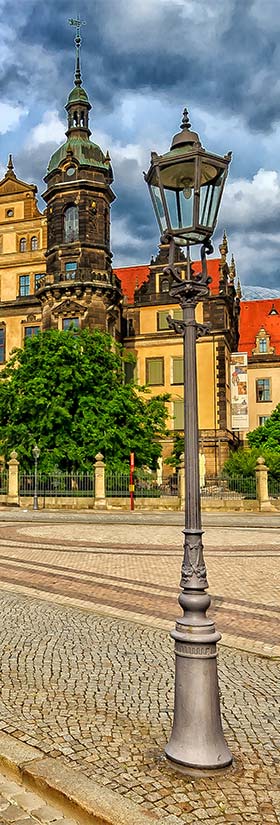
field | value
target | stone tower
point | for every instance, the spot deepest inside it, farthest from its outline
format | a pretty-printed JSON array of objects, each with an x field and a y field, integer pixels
[{"x": 79, "y": 286}]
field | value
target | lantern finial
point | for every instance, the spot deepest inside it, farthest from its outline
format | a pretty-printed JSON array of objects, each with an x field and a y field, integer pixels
[{"x": 185, "y": 120}]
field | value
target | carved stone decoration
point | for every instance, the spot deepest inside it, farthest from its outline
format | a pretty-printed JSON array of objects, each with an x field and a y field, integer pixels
[
  {"x": 68, "y": 307},
  {"x": 31, "y": 317}
]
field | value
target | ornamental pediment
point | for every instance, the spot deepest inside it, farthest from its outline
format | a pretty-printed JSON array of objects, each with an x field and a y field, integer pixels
[
  {"x": 68, "y": 307},
  {"x": 13, "y": 186}
]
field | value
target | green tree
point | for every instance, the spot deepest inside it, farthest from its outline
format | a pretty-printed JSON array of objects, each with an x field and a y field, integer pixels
[
  {"x": 268, "y": 435},
  {"x": 66, "y": 392},
  {"x": 265, "y": 441}
]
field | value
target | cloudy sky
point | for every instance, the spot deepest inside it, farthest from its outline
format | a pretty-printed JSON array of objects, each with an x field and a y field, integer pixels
[{"x": 143, "y": 61}]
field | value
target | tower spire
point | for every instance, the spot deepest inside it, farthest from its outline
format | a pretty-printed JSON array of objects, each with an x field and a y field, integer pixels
[{"x": 77, "y": 23}]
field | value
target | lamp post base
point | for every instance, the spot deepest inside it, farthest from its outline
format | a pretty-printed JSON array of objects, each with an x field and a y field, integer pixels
[{"x": 197, "y": 739}]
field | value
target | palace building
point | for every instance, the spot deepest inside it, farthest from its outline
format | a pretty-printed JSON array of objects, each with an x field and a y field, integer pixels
[{"x": 56, "y": 272}]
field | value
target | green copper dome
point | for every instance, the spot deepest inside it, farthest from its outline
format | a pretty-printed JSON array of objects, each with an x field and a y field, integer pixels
[
  {"x": 84, "y": 151},
  {"x": 77, "y": 94}
]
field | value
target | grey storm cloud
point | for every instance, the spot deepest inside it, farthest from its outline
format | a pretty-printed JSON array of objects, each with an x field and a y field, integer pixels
[
  {"x": 219, "y": 58},
  {"x": 227, "y": 54}
]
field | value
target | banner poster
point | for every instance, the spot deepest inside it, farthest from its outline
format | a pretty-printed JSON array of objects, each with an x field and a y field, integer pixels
[{"x": 239, "y": 391}]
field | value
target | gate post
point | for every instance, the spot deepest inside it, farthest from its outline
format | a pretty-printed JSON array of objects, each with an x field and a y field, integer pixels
[
  {"x": 13, "y": 481},
  {"x": 262, "y": 485},
  {"x": 100, "y": 502}
]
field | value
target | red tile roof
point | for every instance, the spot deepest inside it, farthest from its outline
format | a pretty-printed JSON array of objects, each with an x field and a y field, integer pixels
[
  {"x": 132, "y": 277},
  {"x": 253, "y": 316}
]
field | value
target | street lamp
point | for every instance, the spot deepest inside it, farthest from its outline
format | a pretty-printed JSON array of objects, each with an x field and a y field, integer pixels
[
  {"x": 186, "y": 186},
  {"x": 36, "y": 453}
]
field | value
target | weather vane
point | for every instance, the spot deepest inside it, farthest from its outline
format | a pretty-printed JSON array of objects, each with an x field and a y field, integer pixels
[{"x": 77, "y": 23}]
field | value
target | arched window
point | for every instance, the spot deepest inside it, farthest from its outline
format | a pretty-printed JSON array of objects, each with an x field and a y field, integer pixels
[
  {"x": 34, "y": 243},
  {"x": 22, "y": 245},
  {"x": 71, "y": 224}
]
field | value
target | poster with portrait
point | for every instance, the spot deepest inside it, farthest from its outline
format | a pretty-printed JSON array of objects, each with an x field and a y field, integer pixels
[{"x": 239, "y": 391}]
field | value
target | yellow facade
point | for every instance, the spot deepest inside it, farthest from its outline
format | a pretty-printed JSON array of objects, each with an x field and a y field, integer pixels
[
  {"x": 159, "y": 355},
  {"x": 259, "y": 410},
  {"x": 23, "y": 241}
]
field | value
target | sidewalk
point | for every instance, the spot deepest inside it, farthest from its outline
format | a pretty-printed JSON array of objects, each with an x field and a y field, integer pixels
[{"x": 87, "y": 667}]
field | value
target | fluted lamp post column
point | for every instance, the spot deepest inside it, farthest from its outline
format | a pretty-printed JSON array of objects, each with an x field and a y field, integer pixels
[
  {"x": 36, "y": 454},
  {"x": 186, "y": 186}
]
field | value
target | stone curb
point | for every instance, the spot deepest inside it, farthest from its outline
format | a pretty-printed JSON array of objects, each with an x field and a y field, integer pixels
[{"x": 76, "y": 795}]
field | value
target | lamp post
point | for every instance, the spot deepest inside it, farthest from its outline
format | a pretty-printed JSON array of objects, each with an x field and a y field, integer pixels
[
  {"x": 186, "y": 186},
  {"x": 36, "y": 453}
]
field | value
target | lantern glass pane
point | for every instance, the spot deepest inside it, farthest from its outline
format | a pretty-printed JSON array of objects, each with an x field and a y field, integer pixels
[
  {"x": 172, "y": 201},
  {"x": 158, "y": 207},
  {"x": 186, "y": 198},
  {"x": 209, "y": 200}
]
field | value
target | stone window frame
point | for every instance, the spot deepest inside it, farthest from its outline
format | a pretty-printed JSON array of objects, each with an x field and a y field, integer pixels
[
  {"x": 68, "y": 320},
  {"x": 35, "y": 327},
  {"x": 34, "y": 243},
  {"x": 263, "y": 386},
  {"x": 178, "y": 416},
  {"x": 23, "y": 285},
  {"x": 262, "y": 337},
  {"x": 160, "y": 361},
  {"x": 23, "y": 244},
  {"x": 177, "y": 358}
]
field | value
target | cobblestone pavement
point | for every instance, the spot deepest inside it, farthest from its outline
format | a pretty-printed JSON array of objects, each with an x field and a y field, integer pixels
[
  {"x": 133, "y": 571},
  {"x": 99, "y": 692},
  {"x": 87, "y": 663},
  {"x": 20, "y": 806}
]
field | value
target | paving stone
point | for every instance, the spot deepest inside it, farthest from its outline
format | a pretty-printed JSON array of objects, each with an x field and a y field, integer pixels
[{"x": 99, "y": 688}]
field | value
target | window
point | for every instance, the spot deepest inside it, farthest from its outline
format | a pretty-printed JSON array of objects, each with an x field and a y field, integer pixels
[
  {"x": 24, "y": 285},
  {"x": 178, "y": 414},
  {"x": 38, "y": 277},
  {"x": 162, "y": 323},
  {"x": 177, "y": 370},
  {"x": 263, "y": 345},
  {"x": 71, "y": 224},
  {"x": 129, "y": 368},
  {"x": 70, "y": 323},
  {"x": 165, "y": 285},
  {"x": 22, "y": 245},
  {"x": 34, "y": 243},
  {"x": 263, "y": 389},
  {"x": 30, "y": 331},
  {"x": 70, "y": 270},
  {"x": 263, "y": 419},
  {"x": 155, "y": 371},
  {"x": 2, "y": 344}
]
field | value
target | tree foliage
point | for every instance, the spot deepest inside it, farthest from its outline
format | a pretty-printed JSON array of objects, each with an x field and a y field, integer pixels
[
  {"x": 268, "y": 435},
  {"x": 66, "y": 392},
  {"x": 265, "y": 441}
]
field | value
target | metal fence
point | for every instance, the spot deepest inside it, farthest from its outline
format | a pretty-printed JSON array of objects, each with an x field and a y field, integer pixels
[
  {"x": 117, "y": 485},
  {"x": 229, "y": 487},
  {"x": 273, "y": 487},
  {"x": 3, "y": 482},
  {"x": 57, "y": 484}
]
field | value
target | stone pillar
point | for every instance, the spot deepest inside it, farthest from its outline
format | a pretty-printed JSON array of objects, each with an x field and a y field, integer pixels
[
  {"x": 181, "y": 482},
  {"x": 202, "y": 466},
  {"x": 13, "y": 481},
  {"x": 100, "y": 492},
  {"x": 262, "y": 485}
]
